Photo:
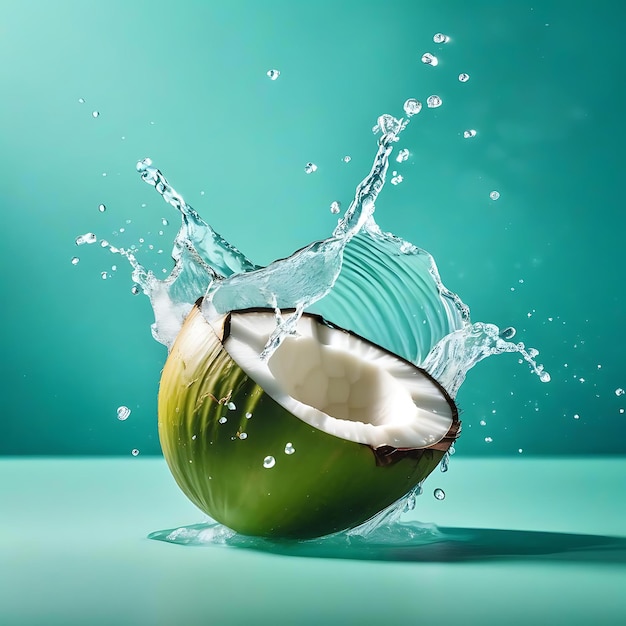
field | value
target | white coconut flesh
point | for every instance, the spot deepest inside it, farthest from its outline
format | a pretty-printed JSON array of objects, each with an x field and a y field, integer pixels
[{"x": 340, "y": 383}]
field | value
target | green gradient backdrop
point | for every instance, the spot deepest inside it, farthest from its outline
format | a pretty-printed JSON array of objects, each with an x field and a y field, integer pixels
[{"x": 184, "y": 83}]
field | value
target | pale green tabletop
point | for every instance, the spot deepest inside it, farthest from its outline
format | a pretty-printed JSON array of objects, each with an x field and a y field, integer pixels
[{"x": 544, "y": 548}]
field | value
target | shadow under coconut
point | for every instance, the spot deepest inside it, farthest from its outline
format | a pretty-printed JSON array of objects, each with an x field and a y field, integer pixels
[{"x": 419, "y": 543}]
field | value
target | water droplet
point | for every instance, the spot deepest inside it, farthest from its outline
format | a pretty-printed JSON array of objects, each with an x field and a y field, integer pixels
[
  {"x": 122, "y": 413},
  {"x": 75, "y": 260},
  {"x": 134, "y": 452},
  {"x": 621, "y": 410},
  {"x": 81, "y": 100},
  {"x": 273, "y": 74},
  {"x": 468, "y": 134},
  {"x": 463, "y": 77},
  {"x": 403, "y": 155},
  {"x": 104, "y": 275},
  {"x": 544, "y": 377},
  {"x": 520, "y": 450},
  {"x": 508, "y": 333},
  {"x": 576, "y": 416},
  {"x": 248, "y": 416},
  {"x": 430, "y": 59},
  {"x": 86, "y": 238},
  {"x": 231, "y": 406},
  {"x": 488, "y": 439},
  {"x": 445, "y": 462},
  {"x": 269, "y": 461},
  {"x": 388, "y": 125},
  {"x": 409, "y": 503},
  {"x": 335, "y": 207},
  {"x": 95, "y": 113},
  {"x": 144, "y": 164},
  {"x": 412, "y": 107},
  {"x": 396, "y": 180},
  {"x": 102, "y": 208},
  {"x": 222, "y": 420},
  {"x": 483, "y": 423},
  {"x": 433, "y": 102},
  {"x": 289, "y": 449},
  {"x": 440, "y": 494},
  {"x": 164, "y": 222},
  {"x": 347, "y": 159},
  {"x": 243, "y": 436},
  {"x": 494, "y": 195},
  {"x": 135, "y": 290},
  {"x": 619, "y": 391},
  {"x": 309, "y": 168},
  {"x": 441, "y": 38}
]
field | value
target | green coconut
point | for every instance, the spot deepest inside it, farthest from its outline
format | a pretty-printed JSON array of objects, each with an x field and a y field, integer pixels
[{"x": 318, "y": 438}]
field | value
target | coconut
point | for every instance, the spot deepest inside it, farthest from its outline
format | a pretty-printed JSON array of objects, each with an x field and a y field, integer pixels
[{"x": 319, "y": 437}]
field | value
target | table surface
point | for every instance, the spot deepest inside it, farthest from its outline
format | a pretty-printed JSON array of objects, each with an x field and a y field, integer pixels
[{"x": 525, "y": 541}]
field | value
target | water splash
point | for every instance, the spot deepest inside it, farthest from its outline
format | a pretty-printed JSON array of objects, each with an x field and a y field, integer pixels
[{"x": 360, "y": 278}]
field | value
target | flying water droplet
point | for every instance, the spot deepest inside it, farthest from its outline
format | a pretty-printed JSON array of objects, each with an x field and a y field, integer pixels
[
  {"x": 135, "y": 289},
  {"x": 403, "y": 155},
  {"x": 412, "y": 107},
  {"x": 81, "y": 100},
  {"x": 468, "y": 134},
  {"x": 269, "y": 461},
  {"x": 347, "y": 159},
  {"x": 134, "y": 452},
  {"x": 75, "y": 260},
  {"x": 619, "y": 391},
  {"x": 86, "y": 238},
  {"x": 335, "y": 207},
  {"x": 95, "y": 113},
  {"x": 488, "y": 440},
  {"x": 164, "y": 222},
  {"x": 433, "y": 102},
  {"x": 248, "y": 416},
  {"x": 494, "y": 195},
  {"x": 430, "y": 59},
  {"x": 122, "y": 413},
  {"x": 243, "y": 436},
  {"x": 289, "y": 449},
  {"x": 463, "y": 77},
  {"x": 222, "y": 420},
  {"x": 231, "y": 406},
  {"x": 441, "y": 38},
  {"x": 104, "y": 275},
  {"x": 309, "y": 168},
  {"x": 440, "y": 494},
  {"x": 273, "y": 74},
  {"x": 396, "y": 180}
]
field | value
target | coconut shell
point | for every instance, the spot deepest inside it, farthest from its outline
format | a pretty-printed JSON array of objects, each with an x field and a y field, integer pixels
[{"x": 226, "y": 443}]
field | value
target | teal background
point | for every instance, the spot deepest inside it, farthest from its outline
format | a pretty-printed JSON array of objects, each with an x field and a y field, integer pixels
[{"x": 185, "y": 84}]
